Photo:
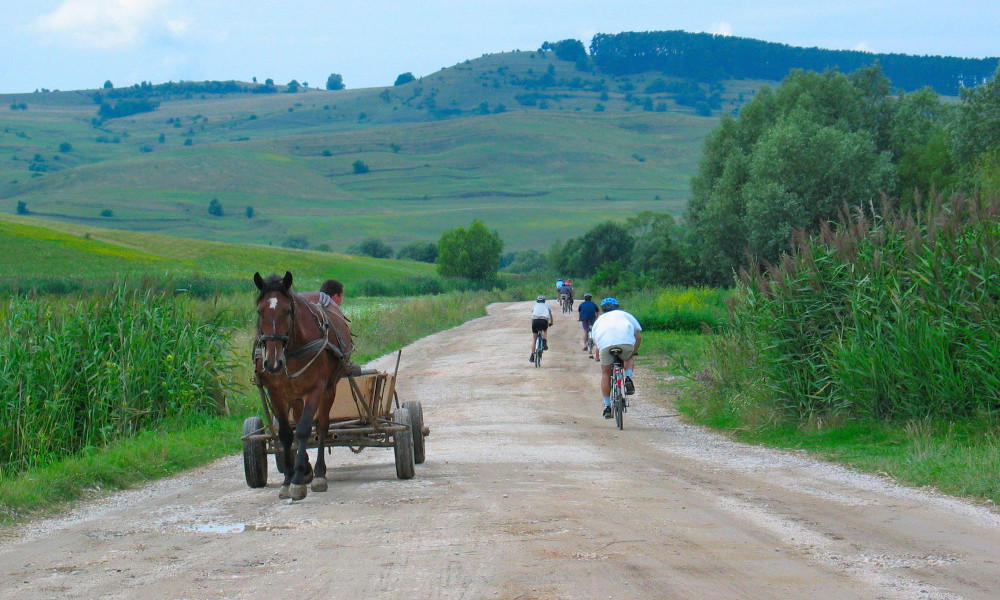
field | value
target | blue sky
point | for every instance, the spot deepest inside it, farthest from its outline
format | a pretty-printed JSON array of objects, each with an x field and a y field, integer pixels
[{"x": 79, "y": 44}]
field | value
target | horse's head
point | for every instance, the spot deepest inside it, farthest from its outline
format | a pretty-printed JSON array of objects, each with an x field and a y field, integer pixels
[{"x": 275, "y": 319}]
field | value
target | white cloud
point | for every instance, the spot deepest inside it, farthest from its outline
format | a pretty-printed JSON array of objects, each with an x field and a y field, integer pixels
[
  {"x": 107, "y": 24},
  {"x": 863, "y": 47},
  {"x": 722, "y": 28}
]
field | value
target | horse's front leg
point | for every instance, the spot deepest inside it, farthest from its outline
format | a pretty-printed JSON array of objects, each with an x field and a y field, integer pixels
[
  {"x": 285, "y": 437},
  {"x": 303, "y": 470}
]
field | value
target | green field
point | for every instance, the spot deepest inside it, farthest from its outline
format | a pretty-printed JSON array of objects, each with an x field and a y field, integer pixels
[
  {"x": 547, "y": 166},
  {"x": 33, "y": 248}
]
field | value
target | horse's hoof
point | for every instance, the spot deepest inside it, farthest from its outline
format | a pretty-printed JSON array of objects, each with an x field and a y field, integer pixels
[
  {"x": 283, "y": 492},
  {"x": 297, "y": 491},
  {"x": 319, "y": 484}
]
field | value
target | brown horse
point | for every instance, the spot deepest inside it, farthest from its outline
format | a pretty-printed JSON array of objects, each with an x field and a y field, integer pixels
[{"x": 301, "y": 352}]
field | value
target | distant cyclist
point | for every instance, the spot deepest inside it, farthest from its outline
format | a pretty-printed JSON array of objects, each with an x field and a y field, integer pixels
[
  {"x": 615, "y": 328},
  {"x": 541, "y": 320},
  {"x": 588, "y": 314},
  {"x": 566, "y": 294}
]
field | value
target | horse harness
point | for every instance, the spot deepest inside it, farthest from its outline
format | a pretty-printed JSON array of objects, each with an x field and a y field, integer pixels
[{"x": 315, "y": 347}]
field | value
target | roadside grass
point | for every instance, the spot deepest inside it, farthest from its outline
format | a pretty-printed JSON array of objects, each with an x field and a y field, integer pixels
[
  {"x": 178, "y": 444},
  {"x": 170, "y": 448},
  {"x": 956, "y": 458},
  {"x": 960, "y": 459}
]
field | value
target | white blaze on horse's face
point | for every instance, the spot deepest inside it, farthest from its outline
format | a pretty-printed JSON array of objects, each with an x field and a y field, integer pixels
[{"x": 272, "y": 303}]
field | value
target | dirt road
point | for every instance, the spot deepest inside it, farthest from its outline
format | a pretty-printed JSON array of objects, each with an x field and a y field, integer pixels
[{"x": 527, "y": 493}]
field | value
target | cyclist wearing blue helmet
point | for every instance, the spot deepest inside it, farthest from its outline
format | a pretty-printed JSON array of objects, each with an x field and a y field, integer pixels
[{"x": 615, "y": 328}]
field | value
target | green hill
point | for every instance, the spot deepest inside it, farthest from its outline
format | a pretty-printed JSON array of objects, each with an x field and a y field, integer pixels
[
  {"x": 522, "y": 140},
  {"x": 538, "y": 147},
  {"x": 34, "y": 249}
]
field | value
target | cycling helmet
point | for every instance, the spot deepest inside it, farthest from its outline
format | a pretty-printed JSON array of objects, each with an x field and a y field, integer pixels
[
  {"x": 609, "y": 303},
  {"x": 588, "y": 296},
  {"x": 540, "y": 299}
]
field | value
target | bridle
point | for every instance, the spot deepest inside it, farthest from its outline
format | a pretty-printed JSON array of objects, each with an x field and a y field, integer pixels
[{"x": 315, "y": 347}]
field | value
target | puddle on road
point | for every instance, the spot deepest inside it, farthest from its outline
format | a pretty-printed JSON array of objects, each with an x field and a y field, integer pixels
[
  {"x": 218, "y": 527},
  {"x": 233, "y": 527}
]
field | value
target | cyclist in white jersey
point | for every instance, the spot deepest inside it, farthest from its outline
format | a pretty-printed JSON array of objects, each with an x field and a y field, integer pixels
[
  {"x": 541, "y": 320},
  {"x": 615, "y": 328}
]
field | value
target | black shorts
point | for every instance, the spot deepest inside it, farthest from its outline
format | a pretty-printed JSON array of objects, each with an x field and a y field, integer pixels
[{"x": 539, "y": 325}]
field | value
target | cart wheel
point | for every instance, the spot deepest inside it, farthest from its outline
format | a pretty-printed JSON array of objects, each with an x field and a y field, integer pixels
[
  {"x": 417, "y": 427},
  {"x": 254, "y": 456},
  {"x": 403, "y": 445}
]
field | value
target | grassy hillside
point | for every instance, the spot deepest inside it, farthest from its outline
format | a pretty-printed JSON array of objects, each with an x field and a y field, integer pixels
[
  {"x": 31, "y": 248},
  {"x": 483, "y": 139}
]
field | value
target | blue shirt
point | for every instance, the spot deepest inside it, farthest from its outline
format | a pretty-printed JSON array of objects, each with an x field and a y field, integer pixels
[{"x": 588, "y": 311}]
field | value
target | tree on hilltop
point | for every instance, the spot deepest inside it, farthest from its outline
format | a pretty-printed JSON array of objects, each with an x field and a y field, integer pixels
[{"x": 334, "y": 82}]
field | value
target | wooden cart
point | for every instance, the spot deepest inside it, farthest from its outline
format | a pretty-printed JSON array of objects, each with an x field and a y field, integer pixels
[{"x": 366, "y": 413}]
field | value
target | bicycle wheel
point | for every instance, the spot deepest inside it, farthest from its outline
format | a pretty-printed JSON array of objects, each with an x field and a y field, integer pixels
[
  {"x": 538, "y": 352},
  {"x": 618, "y": 402}
]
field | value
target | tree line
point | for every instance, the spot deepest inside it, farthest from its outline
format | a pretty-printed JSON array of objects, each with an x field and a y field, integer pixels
[
  {"x": 708, "y": 57},
  {"x": 791, "y": 162}
]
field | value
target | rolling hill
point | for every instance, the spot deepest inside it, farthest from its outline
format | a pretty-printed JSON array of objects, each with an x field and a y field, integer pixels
[
  {"x": 539, "y": 145},
  {"x": 483, "y": 139}
]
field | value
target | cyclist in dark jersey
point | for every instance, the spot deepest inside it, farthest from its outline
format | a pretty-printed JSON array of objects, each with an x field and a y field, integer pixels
[{"x": 588, "y": 314}]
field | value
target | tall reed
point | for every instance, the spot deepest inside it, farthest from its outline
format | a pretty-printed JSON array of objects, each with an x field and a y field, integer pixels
[
  {"x": 81, "y": 374},
  {"x": 886, "y": 317}
]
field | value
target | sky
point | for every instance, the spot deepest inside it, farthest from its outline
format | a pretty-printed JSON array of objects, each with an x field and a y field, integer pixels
[{"x": 80, "y": 44}]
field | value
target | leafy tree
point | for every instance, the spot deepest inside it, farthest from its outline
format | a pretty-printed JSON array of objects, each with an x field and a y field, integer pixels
[
  {"x": 249, "y": 212},
  {"x": 359, "y": 167},
  {"x": 977, "y": 132},
  {"x": 527, "y": 261},
  {"x": 65, "y": 147},
  {"x": 108, "y": 85},
  {"x": 292, "y": 87},
  {"x": 22, "y": 207},
  {"x": 657, "y": 252},
  {"x": 604, "y": 243},
  {"x": 372, "y": 246},
  {"x": 921, "y": 143},
  {"x": 215, "y": 208},
  {"x": 334, "y": 82},
  {"x": 422, "y": 251},
  {"x": 571, "y": 50},
  {"x": 404, "y": 78},
  {"x": 472, "y": 253},
  {"x": 297, "y": 242},
  {"x": 107, "y": 212},
  {"x": 791, "y": 160}
]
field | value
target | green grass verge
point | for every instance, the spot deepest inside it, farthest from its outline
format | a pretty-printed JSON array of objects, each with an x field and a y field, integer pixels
[
  {"x": 957, "y": 458},
  {"x": 169, "y": 449}
]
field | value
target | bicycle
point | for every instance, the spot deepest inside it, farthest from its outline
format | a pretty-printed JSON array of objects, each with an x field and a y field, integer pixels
[
  {"x": 590, "y": 345},
  {"x": 619, "y": 400},
  {"x": 565, "y": 303},
  {"x": 539, "y": 348}
]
